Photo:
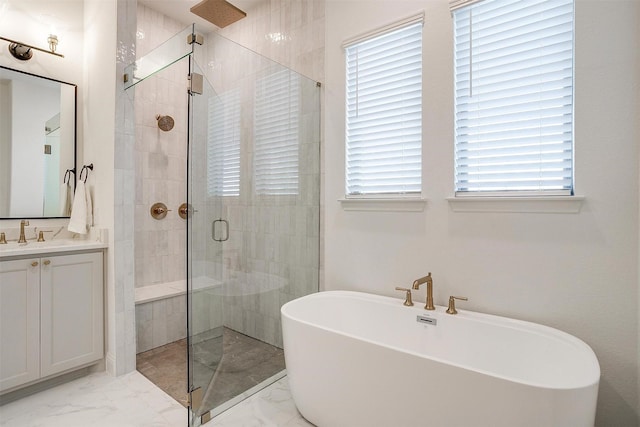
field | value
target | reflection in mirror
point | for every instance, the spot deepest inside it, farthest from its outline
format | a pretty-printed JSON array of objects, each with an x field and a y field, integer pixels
[{"x": 37, "y": 145}]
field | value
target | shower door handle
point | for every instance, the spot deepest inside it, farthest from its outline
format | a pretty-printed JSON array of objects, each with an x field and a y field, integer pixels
[{"x": 226, "y": 230}]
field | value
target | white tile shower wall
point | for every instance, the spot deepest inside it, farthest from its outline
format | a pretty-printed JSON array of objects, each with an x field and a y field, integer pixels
[
  {"x": 292, "y": 33},
  {"x": 289, "y": 32},
  {"x": 163, "y": 321},
  {"x": 272, "y": 253},
  {"x": 160, "y": 322},
  {"x": 160, "y": 158},
  {"x": 110, "y": 147}
]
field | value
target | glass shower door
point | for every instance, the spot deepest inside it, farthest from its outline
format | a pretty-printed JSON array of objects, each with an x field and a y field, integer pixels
[
  {"x": 253, "y": 235},
  {"x": 206, "y": 230}
]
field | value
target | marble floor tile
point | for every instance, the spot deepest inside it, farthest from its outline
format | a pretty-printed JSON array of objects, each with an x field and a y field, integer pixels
[
  {"x": 133, "y": 401},
  {"x": 97, "y": 400},
  {"x": 270, "y": 407}
]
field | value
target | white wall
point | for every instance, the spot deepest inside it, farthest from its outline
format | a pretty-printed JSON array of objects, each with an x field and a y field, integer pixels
[
  {"x": 575, "y": 272},
  {"x": 30, "y": 21}
]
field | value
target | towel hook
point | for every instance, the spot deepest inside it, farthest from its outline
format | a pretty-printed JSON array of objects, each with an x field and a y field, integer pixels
[
  {"x": 86, "y": 167},
  {"x": 67, "y": 175}
]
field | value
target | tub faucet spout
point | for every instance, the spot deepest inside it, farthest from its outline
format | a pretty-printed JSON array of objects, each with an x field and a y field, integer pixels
[{"x": 429, "y": 281}]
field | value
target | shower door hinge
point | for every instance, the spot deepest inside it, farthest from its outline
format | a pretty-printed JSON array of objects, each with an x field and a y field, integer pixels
[
  {"x": 195, "y": 83},
  {"x": 195, "y": 38},
  {"x": 205, "y": 418},
  {"x": 195, "y": 398}
]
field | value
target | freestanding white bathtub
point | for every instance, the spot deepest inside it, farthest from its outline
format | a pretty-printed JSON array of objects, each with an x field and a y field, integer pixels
[{"x": 356, "y": 359}]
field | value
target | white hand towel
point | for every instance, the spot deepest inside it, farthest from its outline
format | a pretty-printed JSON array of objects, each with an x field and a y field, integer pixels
[
  {"x": 89, "y": 198},
  {"x": 65, "y": 199},
  {"x": 79, "y": 219}
]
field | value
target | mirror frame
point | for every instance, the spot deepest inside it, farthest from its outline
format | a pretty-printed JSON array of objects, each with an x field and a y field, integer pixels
[{"x": 75, "y": 137}]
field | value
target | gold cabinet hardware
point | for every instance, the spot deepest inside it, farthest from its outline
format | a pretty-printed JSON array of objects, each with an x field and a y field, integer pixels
[
  {"x": 34, "y": 264},
  {"x": 46, "y": 262},
  {"x": 3, "y": 239},
  {"x": 159, "y": 210},
  {"x": 452, "y": 304},
  {"x": 407, "y": 300},
  {"x": 429, "y": 281}
]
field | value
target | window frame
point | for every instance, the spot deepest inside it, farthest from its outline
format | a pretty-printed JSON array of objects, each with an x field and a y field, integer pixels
[
  {"x": 493, "y": 196},
  {"x": 385, "y": 200}
]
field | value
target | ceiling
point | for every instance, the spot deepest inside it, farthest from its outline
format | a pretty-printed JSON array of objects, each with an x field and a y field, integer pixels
[{"x": 179, "y": 10}]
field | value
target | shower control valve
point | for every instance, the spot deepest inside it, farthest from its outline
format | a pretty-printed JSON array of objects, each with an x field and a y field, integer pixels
[{"x": 159, "y": 210}]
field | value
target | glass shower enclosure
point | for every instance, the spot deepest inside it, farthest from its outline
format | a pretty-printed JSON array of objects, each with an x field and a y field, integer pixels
[{"x": 252, "y": 211}]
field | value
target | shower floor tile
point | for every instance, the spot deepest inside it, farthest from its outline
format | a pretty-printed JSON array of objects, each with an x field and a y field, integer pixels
[{"x": 246, "y": 362}]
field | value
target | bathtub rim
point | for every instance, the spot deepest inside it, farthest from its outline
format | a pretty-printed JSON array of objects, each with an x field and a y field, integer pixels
[{"x": 464, "y": 314}]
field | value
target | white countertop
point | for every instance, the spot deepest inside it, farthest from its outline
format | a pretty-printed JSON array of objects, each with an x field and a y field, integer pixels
[
  {"x": 58, "y": 240},
  {"x": 13, "y": 249}
]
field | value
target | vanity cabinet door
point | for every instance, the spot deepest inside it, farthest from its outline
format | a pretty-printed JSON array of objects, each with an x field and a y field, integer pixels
[
  {"x": 72, "y": 311},
  {"x": 19, "y": 322}
]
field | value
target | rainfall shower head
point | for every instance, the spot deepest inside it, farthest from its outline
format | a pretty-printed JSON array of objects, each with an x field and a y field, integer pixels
[
  {"x": 165, "y": 123},
  {"x": 219, "y": 12}
]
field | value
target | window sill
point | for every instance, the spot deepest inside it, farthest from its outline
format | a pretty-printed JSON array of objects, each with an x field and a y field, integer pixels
[
  {"x": 539, "y": 204},
  {"x": 384, "y": 205}
]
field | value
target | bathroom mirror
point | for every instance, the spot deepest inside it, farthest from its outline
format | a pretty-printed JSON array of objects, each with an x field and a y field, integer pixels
[{"x": 37, "y": 145}]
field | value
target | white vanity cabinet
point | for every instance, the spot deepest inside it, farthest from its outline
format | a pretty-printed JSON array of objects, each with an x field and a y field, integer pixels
[
  {"x": 51, "y": 316},
  {"x": 19, "y": 322}
]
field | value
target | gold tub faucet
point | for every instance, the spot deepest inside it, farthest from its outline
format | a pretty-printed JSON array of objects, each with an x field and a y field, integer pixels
[
  {"x": 429, "y": 281},
  {"x": 22, "y": 239}
]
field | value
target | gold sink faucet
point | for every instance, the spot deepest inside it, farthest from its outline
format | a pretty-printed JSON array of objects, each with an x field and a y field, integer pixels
[
  {"x": 426, "y": 279},
  {"x": 22, "y": 239}
]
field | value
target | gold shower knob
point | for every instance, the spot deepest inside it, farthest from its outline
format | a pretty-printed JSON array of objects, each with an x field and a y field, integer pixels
[
  {"x": 159, "y": 210},
  {"x": 185, "y": 211}
]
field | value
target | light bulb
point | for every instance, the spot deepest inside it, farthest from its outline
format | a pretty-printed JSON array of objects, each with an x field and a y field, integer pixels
[{"x": 53, "y": 42}]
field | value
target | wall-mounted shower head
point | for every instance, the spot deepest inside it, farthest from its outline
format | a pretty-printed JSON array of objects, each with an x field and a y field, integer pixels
[{"x": 165, "y": 123}]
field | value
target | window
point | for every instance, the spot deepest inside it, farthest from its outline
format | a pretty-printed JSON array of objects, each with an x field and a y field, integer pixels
[
  {"x": 513, "y": 97},
  {"x": 277, "y": 116},
  {"x": 223, "y": 155},
  {"x": 384, "y": 112}
]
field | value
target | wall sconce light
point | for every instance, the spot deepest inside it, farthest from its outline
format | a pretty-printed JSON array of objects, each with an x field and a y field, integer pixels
[{"x": 23, "y": 51}]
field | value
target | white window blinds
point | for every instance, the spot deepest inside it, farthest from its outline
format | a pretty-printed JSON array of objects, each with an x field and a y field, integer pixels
[
  {"x": 277, "y": 116},
  {"x": 514, "y": 96},
  {"x": 384, "y": 113},
  {"x": 223, "y": 155}
]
